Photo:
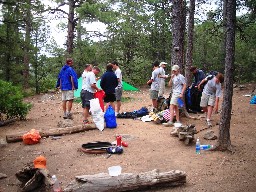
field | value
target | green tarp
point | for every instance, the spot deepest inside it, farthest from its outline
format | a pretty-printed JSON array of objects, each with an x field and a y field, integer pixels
[{"x": 126, "y": 87}]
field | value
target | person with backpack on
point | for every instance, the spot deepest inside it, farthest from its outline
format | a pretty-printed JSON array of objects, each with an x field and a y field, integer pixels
[
  {"x": 195, "y": 93},
  {"x": 211, "y": 94},
  {"x": 178, "y": 89},
  {"x": 198, "y": 74}
]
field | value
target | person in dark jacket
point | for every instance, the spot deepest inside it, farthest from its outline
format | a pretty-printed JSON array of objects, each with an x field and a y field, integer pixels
[
  {"x": 195, "y": 93},
  {"x": 198, "y": 75},
  {"x": 108, "y": 83},
  {"x": 67, "y": 83}
]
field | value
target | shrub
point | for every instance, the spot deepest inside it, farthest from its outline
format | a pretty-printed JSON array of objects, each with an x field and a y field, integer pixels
[{"x": 11, "y": 104}]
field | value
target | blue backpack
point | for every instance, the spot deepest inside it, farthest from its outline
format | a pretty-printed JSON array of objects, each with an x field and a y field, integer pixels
[
  {"x": 110, "y": 117},
  {"x": 253, "y": 100}
]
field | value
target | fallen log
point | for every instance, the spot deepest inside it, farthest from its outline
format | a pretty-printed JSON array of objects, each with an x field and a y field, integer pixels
[
  {"x": 103, "y": 182},
  {"x": 52, "y": 132},
  {"x": 6, "y": 122}
]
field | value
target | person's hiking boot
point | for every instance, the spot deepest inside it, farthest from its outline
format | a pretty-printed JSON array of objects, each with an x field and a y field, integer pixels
[
  {"x": 168, "y": 124},
  {"x": 69, "y": 116},
  {"x": 65, "y": 116},
  {"x": 208, "y": 122},
  {"x": 86, "y": 122}
]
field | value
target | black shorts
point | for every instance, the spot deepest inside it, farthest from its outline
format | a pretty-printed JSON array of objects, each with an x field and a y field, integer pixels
[
  {"x": 86, "y": 96},
  {"x": 110, "y": 98}
]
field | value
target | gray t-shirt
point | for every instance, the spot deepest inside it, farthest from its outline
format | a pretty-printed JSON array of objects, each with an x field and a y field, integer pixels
[
  {"x": 156, "y": 80},
  {"x": 212, "y": 88},
  {"x": 90, "y": 79},
  {"x": 177, "y": 83},
  {"x": 162, "y": 73}
]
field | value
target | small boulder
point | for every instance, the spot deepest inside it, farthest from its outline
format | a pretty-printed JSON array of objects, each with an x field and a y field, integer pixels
[{"x": 209, "y": 135}]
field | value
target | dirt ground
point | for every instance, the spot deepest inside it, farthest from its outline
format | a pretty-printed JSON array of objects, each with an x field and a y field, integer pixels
[{"x": 150, "y": 147}]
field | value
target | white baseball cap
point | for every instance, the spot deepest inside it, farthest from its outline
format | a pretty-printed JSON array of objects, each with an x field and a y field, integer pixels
[{"x": 162, "y": 63}]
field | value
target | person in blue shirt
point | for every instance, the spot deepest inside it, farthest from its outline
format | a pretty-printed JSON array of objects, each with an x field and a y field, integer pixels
[
  {"x": 108, "y": 83},
  {"x": 67, "y": 83}
]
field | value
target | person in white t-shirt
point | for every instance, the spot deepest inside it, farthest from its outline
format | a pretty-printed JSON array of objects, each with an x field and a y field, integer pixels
[
  {"x": 88, "y": 91},
  {"x": 154, "y": 85},
  {"x": 162, "y": 77},
  {"x": 88, "y": 68},
  {"x": 178, "y": 89},
  {"x": 119, "y": 88},
  {"x": 211, "y": 95}
]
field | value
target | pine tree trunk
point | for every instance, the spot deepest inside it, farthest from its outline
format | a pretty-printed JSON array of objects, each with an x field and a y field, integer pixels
[
  {"x": 28, "y": 29},
  {"x": 224, "y": 142},
  {"x": 189, "y": 53},
  {"x": 178, "y": 33},
  {"x": 71, "y": 27}
]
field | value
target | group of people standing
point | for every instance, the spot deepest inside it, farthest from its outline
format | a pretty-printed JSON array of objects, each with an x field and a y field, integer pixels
[
  {"x": 111, "y": 84},
  {"x": 209, "y": 94}
]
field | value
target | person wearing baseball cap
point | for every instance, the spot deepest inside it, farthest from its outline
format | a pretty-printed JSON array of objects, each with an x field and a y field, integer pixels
[
  {"x": 179, "y": 85},
  {"x": 162, "y": 78},
  {"x": 40, "y": 162}
]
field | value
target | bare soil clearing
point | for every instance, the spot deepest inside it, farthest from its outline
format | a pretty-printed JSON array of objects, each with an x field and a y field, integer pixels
[{"x": 150, "y": 147}]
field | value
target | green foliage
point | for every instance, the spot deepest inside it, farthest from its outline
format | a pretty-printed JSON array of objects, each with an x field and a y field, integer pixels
[{"x": 11, "y": 104}]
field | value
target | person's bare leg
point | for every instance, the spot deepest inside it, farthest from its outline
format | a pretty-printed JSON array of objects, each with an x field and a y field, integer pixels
[
  {"x": 112, "y": 105},
  {"x": 118, "y": 106},
  {"x": 154, "y": 102},
  {"x": 205, "y": 110},
  {"x": 64, "y": 107},
  {"x": 70, "y": 103},
  {"x": 177, "y": 113},
  {"x": 171, "y": 113},
  {"x": 86, "y": 113},
  {"x": 209, "y": 112}
]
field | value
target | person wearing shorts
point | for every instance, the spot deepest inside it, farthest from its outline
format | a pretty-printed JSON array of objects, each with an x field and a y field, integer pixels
[
  {"x": 211, "y": 94},
  {"x": 154, "y": 83},
  {"x": 178, "y": 89},
  {"x": 162, "y": 77},
  {"x": 67, "y": 83},
  {"x": 87, "y": 93},
  {"x": 108, "y": 84},
  {"x": 119, "y": 88}
]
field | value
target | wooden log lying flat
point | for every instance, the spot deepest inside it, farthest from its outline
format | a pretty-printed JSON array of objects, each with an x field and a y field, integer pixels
[
  {"x": 6, "y": 122},
  {"x": 52, "y": 132},
  {"x": 103, "y": 182}
]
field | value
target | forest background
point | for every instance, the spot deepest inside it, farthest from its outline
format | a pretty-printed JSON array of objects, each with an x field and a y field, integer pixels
[{"x": 137, "y": 33}]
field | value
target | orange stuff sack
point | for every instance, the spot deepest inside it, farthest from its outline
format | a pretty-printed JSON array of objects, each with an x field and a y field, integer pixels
[{"x": 32, "y": 137}]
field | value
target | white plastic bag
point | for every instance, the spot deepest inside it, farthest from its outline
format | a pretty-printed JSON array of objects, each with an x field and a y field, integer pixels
[
  {"x": 97, "y": 113},
  {"x": 95, "y": 105}
]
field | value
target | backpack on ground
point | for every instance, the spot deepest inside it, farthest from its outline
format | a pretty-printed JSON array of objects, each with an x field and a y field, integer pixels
[{"x": 162, "y": 103}]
